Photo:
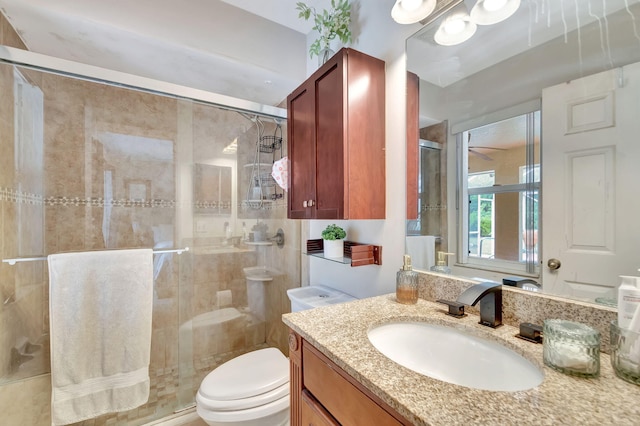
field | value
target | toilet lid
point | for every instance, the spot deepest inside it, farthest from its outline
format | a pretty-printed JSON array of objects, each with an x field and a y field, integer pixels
[{"x": 248, "y": 375}]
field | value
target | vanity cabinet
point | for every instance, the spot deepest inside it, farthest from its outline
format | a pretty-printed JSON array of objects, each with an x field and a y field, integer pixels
[
  {"x": 336, "y": 140},
  {"x": 324, "y": 394},
  {"x": 313, "y": 413}
]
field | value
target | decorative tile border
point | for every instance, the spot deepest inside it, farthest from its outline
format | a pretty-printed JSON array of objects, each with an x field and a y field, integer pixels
[
  {"x": 101, "y": 202},
  {"x": 212, "y": 205},
  {"x": 434, "y": 207},
  {"x": 14, "y": 196},
  {"x": 8, "y": 194},
  {"x": 251, "y": 205}
]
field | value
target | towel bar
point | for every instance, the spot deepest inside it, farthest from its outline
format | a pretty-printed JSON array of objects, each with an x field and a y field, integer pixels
[{"x": 31, "y": 259}]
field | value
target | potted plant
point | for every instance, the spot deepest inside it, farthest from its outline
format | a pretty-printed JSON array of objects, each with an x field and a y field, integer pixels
[
  {"x": 333, "y": 241},
  {"x": 329, "y": 24}
]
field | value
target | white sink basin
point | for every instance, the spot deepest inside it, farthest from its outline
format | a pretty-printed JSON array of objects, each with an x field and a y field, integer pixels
[{"x": 450, "y": 355}]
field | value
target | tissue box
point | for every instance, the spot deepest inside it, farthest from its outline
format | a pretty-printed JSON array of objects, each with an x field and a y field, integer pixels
[{"x": 571, "y": 348}]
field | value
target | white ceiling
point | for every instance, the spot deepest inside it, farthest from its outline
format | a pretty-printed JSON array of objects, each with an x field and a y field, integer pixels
[{"x": 248, "y": 49}]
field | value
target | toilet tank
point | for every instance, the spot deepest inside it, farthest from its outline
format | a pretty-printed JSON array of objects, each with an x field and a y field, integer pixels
[{"x": 315, "y": 296}]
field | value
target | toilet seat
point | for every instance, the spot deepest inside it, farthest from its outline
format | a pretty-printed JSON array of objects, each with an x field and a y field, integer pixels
[
  {"x": 243, "y": 403},
  {"x": 261, "y": 412},
  {"x": 253, "y": 385}
]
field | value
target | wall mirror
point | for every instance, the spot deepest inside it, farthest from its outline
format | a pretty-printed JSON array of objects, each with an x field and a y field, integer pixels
[{"x": 537, "y": 174}]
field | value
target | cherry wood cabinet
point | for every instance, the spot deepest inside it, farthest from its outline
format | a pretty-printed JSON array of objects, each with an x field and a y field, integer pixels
[
  {"x": 336, "y": 140},
  {"x": 324, "y": 394},
  {"x": 413, "y": 137},
  {"x": 313, "y": 413}
]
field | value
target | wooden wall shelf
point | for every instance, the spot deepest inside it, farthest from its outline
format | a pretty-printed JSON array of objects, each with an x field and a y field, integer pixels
[{"x": 355, "y": 254}]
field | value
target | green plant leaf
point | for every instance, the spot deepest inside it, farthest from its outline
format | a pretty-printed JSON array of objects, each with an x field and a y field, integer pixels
[
  {"x": 328, "y": 24},
  {"x": 333, "y": 232}
]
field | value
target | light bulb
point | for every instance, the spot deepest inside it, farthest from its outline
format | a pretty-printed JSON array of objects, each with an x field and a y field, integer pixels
[
  {"x": 454, "y": 26},
  {"x": 489, "y": 12},
  {"x": 411, "y": 5},
  {"x": 412, "y": 11},
  {"x": 493, "y": 5}
]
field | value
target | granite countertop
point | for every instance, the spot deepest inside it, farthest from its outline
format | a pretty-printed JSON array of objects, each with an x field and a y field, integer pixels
[{"x": 340, "y": 332}]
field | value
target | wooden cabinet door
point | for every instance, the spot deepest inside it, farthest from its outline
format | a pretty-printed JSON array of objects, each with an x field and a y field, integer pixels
[
  {"x": 302, "y": 163},
  {"x": 336, "y": 135},
  {"x": 314, "y": 414},
  {"x": 413, "y": 139},
  {"x": 339, "y": 394},
  {"x": 330, "y": 142}
]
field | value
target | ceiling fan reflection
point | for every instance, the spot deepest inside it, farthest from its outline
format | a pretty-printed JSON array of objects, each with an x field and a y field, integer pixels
[{"x": 474, "y": 150}]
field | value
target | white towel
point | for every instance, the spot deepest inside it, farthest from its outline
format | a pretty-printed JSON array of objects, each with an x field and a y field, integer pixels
[
  {"x": 100, "y": 305},
  {"x": 422, "y": 249}
]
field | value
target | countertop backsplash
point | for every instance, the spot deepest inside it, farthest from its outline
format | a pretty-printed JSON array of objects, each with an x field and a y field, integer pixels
[{"x": 520, "y": 306}]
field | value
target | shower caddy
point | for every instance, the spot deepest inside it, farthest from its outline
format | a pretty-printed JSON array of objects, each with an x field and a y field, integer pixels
[{"x": 262, "y": 190}]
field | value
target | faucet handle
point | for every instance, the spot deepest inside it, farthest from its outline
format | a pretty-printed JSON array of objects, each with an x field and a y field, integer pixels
[
  {"x": 530, "y": 332},
  {"x": 456, "y": 309}
]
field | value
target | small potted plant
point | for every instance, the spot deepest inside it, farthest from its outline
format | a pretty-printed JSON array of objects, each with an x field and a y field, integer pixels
[
  {"x": 329, "y": 24},
  {"x": 333, "y": 243}
]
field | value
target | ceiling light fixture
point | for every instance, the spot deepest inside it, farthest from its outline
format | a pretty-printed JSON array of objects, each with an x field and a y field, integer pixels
[
  {"x": 489, "y": 12},
  {"x": 456, "y": 28},
  {"x": 412, "y": 11}
]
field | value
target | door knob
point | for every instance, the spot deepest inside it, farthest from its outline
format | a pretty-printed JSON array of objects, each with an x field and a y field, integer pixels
[{"x": 554, "y": 264}]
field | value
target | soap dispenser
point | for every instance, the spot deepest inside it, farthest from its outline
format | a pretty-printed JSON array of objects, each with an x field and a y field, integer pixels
[
  {"x": 407, "y": 283},
  {"x": 441, "y": 263},
  {"x": 628, "y": 300}
]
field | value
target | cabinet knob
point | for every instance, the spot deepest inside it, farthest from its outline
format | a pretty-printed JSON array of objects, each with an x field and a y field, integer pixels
[
  {"x": 310, "y": 203},
  {"x": 304, "y": 203}
]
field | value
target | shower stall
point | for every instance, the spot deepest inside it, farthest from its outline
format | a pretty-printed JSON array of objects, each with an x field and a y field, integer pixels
[{"x": 93, "y": 160}]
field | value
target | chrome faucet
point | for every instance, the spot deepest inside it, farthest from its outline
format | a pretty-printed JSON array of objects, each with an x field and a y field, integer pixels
[{"x": 489, "y": 294}]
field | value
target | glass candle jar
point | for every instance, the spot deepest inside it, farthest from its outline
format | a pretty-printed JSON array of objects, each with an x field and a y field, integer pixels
[
  {"x": 625, "y": 353},
  {"x": 571, "y": 348}
]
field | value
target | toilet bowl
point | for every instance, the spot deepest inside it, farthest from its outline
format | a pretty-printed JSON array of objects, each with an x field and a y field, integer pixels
[
  {"x": 253, "y": 389},
  {"x": 249, "y": 390}
]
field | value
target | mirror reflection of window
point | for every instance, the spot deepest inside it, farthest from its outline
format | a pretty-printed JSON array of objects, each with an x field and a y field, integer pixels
[
  {"x": 481, "y": 216},
  {"x": 500, "y": 179}
]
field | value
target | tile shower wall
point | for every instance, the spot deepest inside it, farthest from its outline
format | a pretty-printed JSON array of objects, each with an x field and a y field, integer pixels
[{"x": 117, "y": 172}]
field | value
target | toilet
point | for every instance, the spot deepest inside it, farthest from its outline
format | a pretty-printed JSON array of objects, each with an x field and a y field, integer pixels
[
  {"x": 249, "y": 390},
  {"x": 315, "y": 296},
  {"x": 253, "y": 389}
]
